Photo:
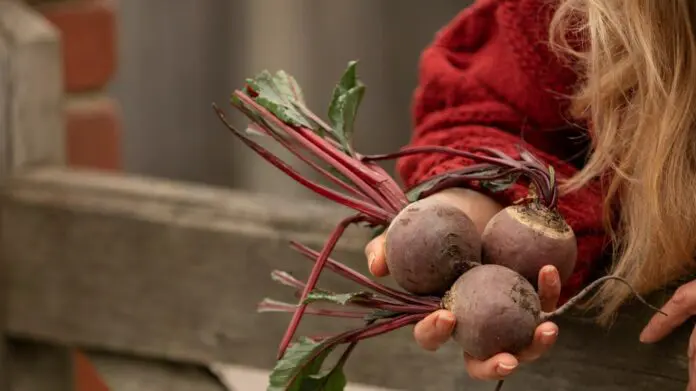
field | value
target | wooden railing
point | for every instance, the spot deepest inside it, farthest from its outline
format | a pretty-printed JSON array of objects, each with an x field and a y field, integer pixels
[
  {"x": 172, "y": 271},
  {"x": 157, "y": 279}
]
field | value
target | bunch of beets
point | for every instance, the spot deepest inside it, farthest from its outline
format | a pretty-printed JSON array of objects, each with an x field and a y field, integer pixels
[{"x": 476, "y": 277}]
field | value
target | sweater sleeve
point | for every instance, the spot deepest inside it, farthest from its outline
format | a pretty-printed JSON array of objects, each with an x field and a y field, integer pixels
[{"x": 483, "y": 81}]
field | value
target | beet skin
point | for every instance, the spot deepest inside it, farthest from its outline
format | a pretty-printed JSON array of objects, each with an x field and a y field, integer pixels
[
  {"x": 429, "y": 245},
  {"x": 527, "y": 237},
  {"x": 497, "y": 311}
]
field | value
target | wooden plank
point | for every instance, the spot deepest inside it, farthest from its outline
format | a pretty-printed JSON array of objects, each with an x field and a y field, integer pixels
[
  {"x": 124, "y": 373},
  {"x": 43, "y": 367},
  {"x": 4, "y": 126},
  {"x": 238, "y": 378},
  {"x": 33, "y": 130},
  {"x": 163, "y": 269},
  {"x": 5, "y": 90},
  {"x": 39, "y": 367},
  {"x": 31, "y": 127}
]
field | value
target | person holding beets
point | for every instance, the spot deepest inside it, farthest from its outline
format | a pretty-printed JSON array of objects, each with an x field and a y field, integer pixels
[{"x": 603, "y": 90}]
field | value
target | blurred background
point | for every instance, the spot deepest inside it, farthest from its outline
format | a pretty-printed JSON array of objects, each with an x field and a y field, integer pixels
[
  {"x": 126, "y": 264},
  {"x": 177, "y": 57},
  {"x": 133, "y": 282}
]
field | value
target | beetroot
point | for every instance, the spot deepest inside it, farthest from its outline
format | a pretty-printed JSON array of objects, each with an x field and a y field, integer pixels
[
  {"x": 429, "y": 245},
  {"x": 497, "y": 311},
  {"x": 527, "y": 237}
]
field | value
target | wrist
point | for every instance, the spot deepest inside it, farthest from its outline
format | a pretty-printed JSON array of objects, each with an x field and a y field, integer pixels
[{"x": 479, "y": 207}]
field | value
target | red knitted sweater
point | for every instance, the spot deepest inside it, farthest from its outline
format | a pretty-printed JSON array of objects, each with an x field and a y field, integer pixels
[{"x": 490, "y": 80}]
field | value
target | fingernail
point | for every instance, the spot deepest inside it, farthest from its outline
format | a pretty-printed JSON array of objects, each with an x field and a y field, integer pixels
[
  {"x": 370, "y": 260},
  {"x": 549, "y": 333},
  {"x": 444, "y": 322},
  {"x": 505, "y": 369},
  {"x": 549, "y": 276}
]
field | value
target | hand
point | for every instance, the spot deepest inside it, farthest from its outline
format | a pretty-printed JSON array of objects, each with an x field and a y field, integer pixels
[
  {"x": 436, "y": 329},
  {"x": 680, "y": 307}
]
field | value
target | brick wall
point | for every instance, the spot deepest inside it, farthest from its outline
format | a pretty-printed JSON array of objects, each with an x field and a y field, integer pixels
[{"x": 93, "y": 119}]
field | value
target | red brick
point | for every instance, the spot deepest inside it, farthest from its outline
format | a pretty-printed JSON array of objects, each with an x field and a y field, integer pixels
[
  {"x": 88, "y": 31},
  {"x": 93, "y": 127},
  {"x": 85, "y": 375}
]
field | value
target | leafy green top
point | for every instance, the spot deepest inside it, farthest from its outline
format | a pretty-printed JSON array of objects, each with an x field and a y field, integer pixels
[
  {"x": 300, "y": 369},
  {"x": 345, "y": 101},
  {"x": 282, "y": 96}
]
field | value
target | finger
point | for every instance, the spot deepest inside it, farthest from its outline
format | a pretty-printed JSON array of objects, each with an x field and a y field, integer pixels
[
  {"x": 691, "y": 353},
  {"x": 434, "y": 330},
  {"x": 495, "y": 368},
  {"x": 376, "y": 259},
  {"x": 678, "y": 309},
  {"x": 544, "y": 337},
  {"x": 549, "y": 287}
]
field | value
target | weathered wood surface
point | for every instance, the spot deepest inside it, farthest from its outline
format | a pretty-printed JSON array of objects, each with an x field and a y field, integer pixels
[
  {"x": 31, "y": 117},
  {"x": 243, "y": 378},
  {"x": 31, "y": 86},
  {"x": 4, "y": 125},
  {"x": 42, "y": 367},
  {"x": 124, "y": 373},
  {"x": 39, "y": 367},
  {"x": 167, "y": 270}
]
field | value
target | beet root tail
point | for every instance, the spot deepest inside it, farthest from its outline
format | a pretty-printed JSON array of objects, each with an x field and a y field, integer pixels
[{"x": 575, "y": 299}]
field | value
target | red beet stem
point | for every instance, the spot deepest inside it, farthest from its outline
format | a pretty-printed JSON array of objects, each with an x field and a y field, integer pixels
[
  {"x": 333, "y": 148},
  {"x": 286, "y": 279},
  {"x": 292, "y": 146},
  {"x": 437, "y": 149},
  {"x": 367, "y": 302},
  {"x": 269, "y": 305},
  {"x": 401, "y": 308},
  {"x": 358, "y": 278},
  {"x": 464, "y": 176},
  {"x": 530, "y": 166},
  {"x": 375, "y": 175},
  {"x": 356, "y": 335},
  {"x": 375, "y": 180},
  {"x": 376, "y": 213},
  {"x": 314, "y": 277},
  {"x": 391, "y": 190},
  {"x": 318, "y": 146},
  {"x": 386, "y": 304},
  {"x": 391, "y": 325}
]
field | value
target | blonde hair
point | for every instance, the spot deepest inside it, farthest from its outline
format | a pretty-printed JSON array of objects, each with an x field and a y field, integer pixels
[{"x": 637, "y": 67}]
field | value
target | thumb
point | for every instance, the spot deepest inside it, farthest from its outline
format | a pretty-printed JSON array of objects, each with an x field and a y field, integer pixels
[
  {"x": 376, "y": 257},
  {"x": 549, "y": 287}
]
